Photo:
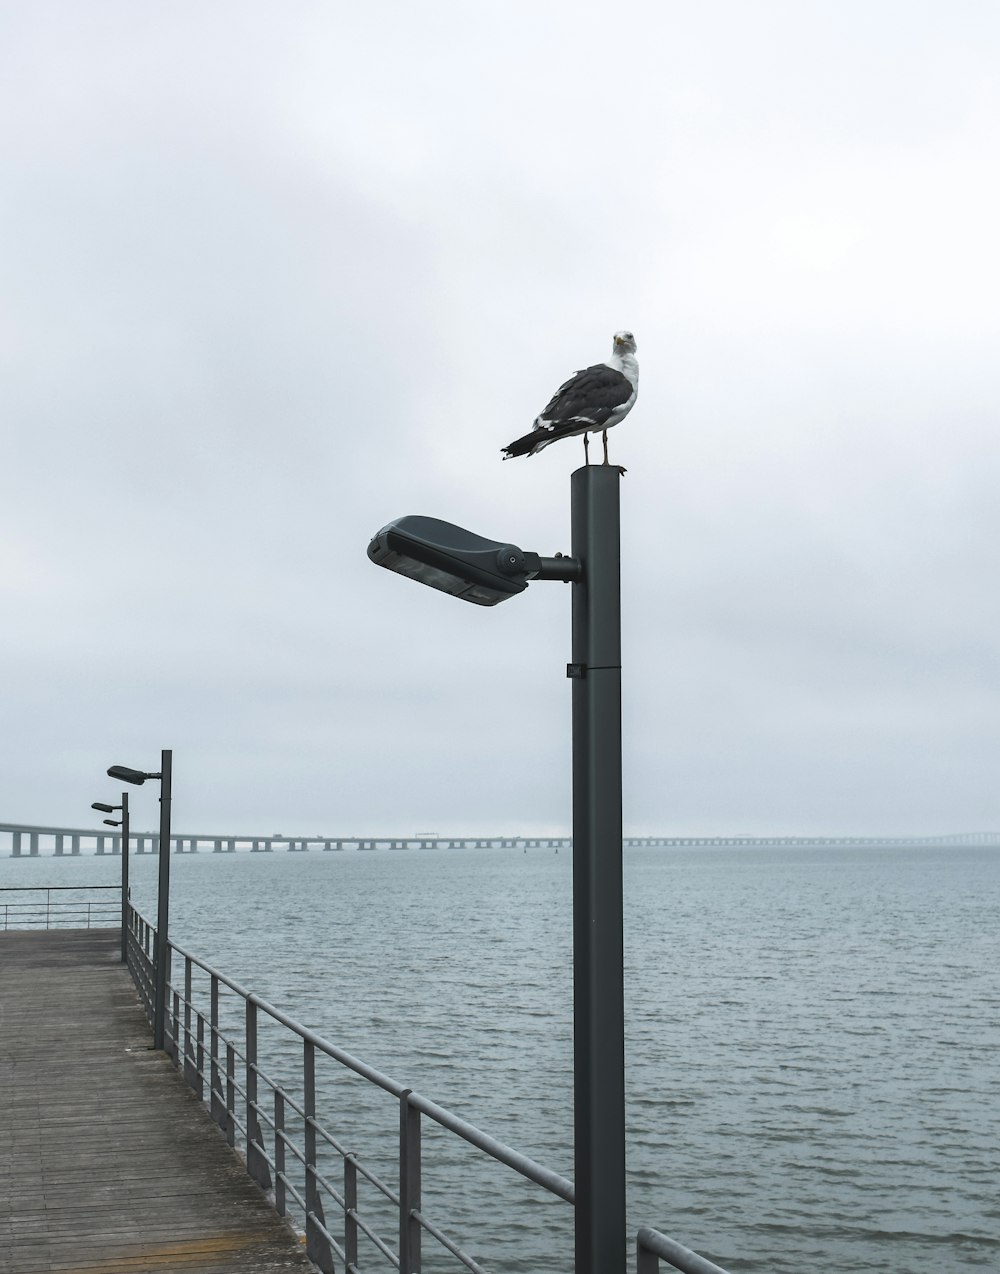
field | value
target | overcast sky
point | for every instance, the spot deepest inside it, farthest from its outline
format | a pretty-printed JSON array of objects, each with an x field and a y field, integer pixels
[{"x": 275, "y": 274}]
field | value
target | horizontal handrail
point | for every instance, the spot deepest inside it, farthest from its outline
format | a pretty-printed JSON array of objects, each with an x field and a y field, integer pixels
[
  {"x": 651, "y": 1246},
  {"x": 56, "y": 904},
  {"x": 551, "y": 1181},
  {"x": 59, "y": 908},
  {"x": 51, "y": 889}
]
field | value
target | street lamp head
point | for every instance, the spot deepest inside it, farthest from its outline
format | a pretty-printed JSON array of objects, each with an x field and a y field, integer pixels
[
  {"x": 129, "y": 776},
  {"x": 452, "y": 560},
  {"x": 105, "y": 809},
  {"x": 111, "y": 822}
]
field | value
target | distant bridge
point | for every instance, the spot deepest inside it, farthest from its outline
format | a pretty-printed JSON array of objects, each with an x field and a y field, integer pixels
[{"x": 26, "y": 840}]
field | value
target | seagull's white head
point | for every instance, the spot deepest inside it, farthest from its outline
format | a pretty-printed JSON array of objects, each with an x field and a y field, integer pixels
[{"x": 624, "y": 343}]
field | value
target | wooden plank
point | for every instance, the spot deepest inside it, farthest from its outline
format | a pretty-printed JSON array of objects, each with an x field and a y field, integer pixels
[{"x": 109, "y": 1164}]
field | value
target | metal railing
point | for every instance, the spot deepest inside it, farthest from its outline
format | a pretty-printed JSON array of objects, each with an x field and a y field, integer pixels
[
  {"x": 74, "y": 908},
  {"x": 217, "y": 1050},
  {"x": 651, "y": 1247}
]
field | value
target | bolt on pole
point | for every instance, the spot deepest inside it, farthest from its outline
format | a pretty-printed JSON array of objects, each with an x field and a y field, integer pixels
[
  {"x": 598, "y": 963},
  {"x": 162, "y": 903}
]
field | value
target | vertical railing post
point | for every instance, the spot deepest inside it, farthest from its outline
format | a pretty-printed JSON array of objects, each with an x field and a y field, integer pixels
[
  {"x": 188, "y": 1049},
  {"x": 279, "y": 1151},
  {"x": 317, "y": 1244},
  {"x": 144, "y": 939},
  {"x": 175, "y": 1029},
  {"x": 646, "y": 1262},
  {"x": 217, "y": 1105},
  {"x": 409, "y": 1186},
  {"x": 230, "y": 1094},
  {"x": 148, "y": 967},
  {"x": 256, "y": 1163},
  {"x": 350, "y": 1210},
  {"x": 199, "y": 1066}
]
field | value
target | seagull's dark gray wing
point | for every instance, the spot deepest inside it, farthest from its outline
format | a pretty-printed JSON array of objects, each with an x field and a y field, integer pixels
[{"x": 588, "y": 398}]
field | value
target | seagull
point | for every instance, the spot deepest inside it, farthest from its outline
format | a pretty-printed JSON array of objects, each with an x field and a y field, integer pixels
[{"x": 596, "y": 398}]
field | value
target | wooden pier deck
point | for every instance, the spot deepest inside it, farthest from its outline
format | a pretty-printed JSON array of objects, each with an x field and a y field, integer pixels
[{"x": 109, "y": 1164}]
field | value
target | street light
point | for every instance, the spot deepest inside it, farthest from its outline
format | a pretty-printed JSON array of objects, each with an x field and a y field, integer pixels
[
  {"x": 139, "y": 777},
  {"x": 453, "y": 560},
  {"x": 486, "y": 572},
  {"x": 123, "y": 824},
  {"x": 130, "y": 776}
]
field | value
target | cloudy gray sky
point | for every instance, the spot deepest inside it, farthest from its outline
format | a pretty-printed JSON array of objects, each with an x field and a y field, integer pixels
[{"x": 275, "y": 274}]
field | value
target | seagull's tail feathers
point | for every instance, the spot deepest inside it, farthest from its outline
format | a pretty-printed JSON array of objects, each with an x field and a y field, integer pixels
[
  {"x": 528, "y": 445},
  {"x": 545, "y": 432}
]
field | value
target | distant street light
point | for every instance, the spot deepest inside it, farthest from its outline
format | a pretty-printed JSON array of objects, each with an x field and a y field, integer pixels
[
  {"x": 128, "y": 775},
  {"x": 123, "y": 824},
  {"x": 486, "y": 572}
]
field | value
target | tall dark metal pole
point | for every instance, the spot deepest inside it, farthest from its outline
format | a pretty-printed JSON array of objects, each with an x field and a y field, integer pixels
[
  {"x": 162, "y": 902},
  {"x": 125, "y": 838},
  {"x": 598, "y": 966}
]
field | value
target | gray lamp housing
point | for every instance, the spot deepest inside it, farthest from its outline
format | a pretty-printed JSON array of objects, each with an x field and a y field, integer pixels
[
  {"x": 128, "y": 775},
  {"x": 453, "y": 560}
]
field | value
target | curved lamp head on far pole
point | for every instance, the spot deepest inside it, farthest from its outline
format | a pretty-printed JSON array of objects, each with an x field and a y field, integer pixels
[{"x": 105, "y": 809}]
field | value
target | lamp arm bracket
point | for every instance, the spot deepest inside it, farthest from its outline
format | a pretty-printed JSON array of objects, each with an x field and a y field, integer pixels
[{"x": 567, "y": 569}]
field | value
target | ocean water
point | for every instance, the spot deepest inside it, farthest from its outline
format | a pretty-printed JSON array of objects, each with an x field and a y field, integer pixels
[{"x": 813, "y": 1037}]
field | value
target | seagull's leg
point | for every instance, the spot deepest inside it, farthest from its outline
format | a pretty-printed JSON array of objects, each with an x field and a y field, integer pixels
[
  {"x": 586, "y": 448},
  {"x": 605, "y": 446}
]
